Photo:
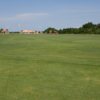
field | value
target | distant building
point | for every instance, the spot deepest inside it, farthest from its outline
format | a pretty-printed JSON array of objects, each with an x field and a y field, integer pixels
[
  {"x": 5, "y": 31},
  {"x": 29, "y": 32}
]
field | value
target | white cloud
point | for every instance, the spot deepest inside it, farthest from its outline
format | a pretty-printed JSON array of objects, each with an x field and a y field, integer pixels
[
  {"x": 24, "y": 16},
  {"x": 30, "y": 15}
]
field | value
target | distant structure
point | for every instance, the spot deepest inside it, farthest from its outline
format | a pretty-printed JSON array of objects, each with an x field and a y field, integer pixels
[
  {"x": 29, "y": 32},
  {"x": 5, "y": 31}
]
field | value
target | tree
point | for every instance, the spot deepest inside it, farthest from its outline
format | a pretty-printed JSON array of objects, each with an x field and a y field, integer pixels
[
  {"x": 88, "y": 28},
  {"x": 51, "y": 31},
  {"x": 88, "y": 25},
  {"x": 1, "y": 30},
  {"x": 98, "y": 25}
]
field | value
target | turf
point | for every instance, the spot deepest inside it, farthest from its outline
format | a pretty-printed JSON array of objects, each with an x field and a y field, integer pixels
[{"x": 49, "y": 67}]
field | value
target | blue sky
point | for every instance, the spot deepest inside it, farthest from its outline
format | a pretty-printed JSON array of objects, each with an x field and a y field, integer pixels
[{"x": 40, "y": 14}]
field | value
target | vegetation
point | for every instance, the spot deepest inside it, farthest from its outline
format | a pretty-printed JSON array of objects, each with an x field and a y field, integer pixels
[
  {"x": 49, "y": 67},
  {"x": 1, "y": 30},
  {"x": 51, "y": 30},
  {"x": 88, "y": 28}
]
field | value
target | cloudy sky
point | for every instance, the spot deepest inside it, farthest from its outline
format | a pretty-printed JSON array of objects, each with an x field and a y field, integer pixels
[{"x": 40, "y": 14}]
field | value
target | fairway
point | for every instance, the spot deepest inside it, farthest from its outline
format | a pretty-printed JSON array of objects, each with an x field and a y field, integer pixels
[{"x": 49, "y": 67}]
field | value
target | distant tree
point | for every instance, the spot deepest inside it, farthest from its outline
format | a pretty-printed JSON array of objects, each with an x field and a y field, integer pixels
[
  {"x": 1, "y": 30},
  {"x": 69, "y": 31},
  {"x": 98, "y": 25},
  {"x": 51, "y": 31},
  {"x": 88, "y": 25},
  {"x": 97, "y": 31},
  {"x": 88, "y": 28}
]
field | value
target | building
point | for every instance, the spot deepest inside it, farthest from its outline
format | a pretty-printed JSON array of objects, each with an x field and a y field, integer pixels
[
  {"x": 29, "y": 32},
  {"x": 5, "y": 31}
]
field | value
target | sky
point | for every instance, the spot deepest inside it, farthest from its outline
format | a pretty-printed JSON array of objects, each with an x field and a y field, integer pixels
[{"x": 40, "y": 14}]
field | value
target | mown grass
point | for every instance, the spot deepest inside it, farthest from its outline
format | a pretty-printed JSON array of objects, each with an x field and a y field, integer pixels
[{"x": 49, "y": 67}]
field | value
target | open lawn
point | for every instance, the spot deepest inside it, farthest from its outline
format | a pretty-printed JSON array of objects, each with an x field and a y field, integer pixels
[{"x": 49, "y": 67}]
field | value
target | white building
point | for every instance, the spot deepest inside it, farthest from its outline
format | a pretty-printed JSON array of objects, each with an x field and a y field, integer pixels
[{"x": 29, "y": 32}]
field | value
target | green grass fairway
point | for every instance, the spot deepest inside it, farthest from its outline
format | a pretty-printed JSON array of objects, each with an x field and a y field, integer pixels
[{"x": 49, "y": 67}]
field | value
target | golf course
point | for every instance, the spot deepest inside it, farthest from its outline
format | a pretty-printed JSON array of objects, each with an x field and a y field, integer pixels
[{"x": 49, "y": 67}]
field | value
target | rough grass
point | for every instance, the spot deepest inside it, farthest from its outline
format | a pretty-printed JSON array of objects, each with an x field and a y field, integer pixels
[{"x": 49, "y": 67}]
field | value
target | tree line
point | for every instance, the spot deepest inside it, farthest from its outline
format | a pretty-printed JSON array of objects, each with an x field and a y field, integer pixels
[{"x": 88, "y": 28}]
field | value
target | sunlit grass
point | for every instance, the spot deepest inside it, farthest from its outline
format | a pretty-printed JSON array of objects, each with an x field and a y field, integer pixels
[{"x": 49, "y": 67}]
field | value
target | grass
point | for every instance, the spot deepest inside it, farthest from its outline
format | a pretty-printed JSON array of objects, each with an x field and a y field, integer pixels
[{"x": 49, "y": 67}]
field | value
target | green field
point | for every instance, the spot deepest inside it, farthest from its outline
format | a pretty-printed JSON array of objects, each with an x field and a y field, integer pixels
[{"x": 49, "y": 67}]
